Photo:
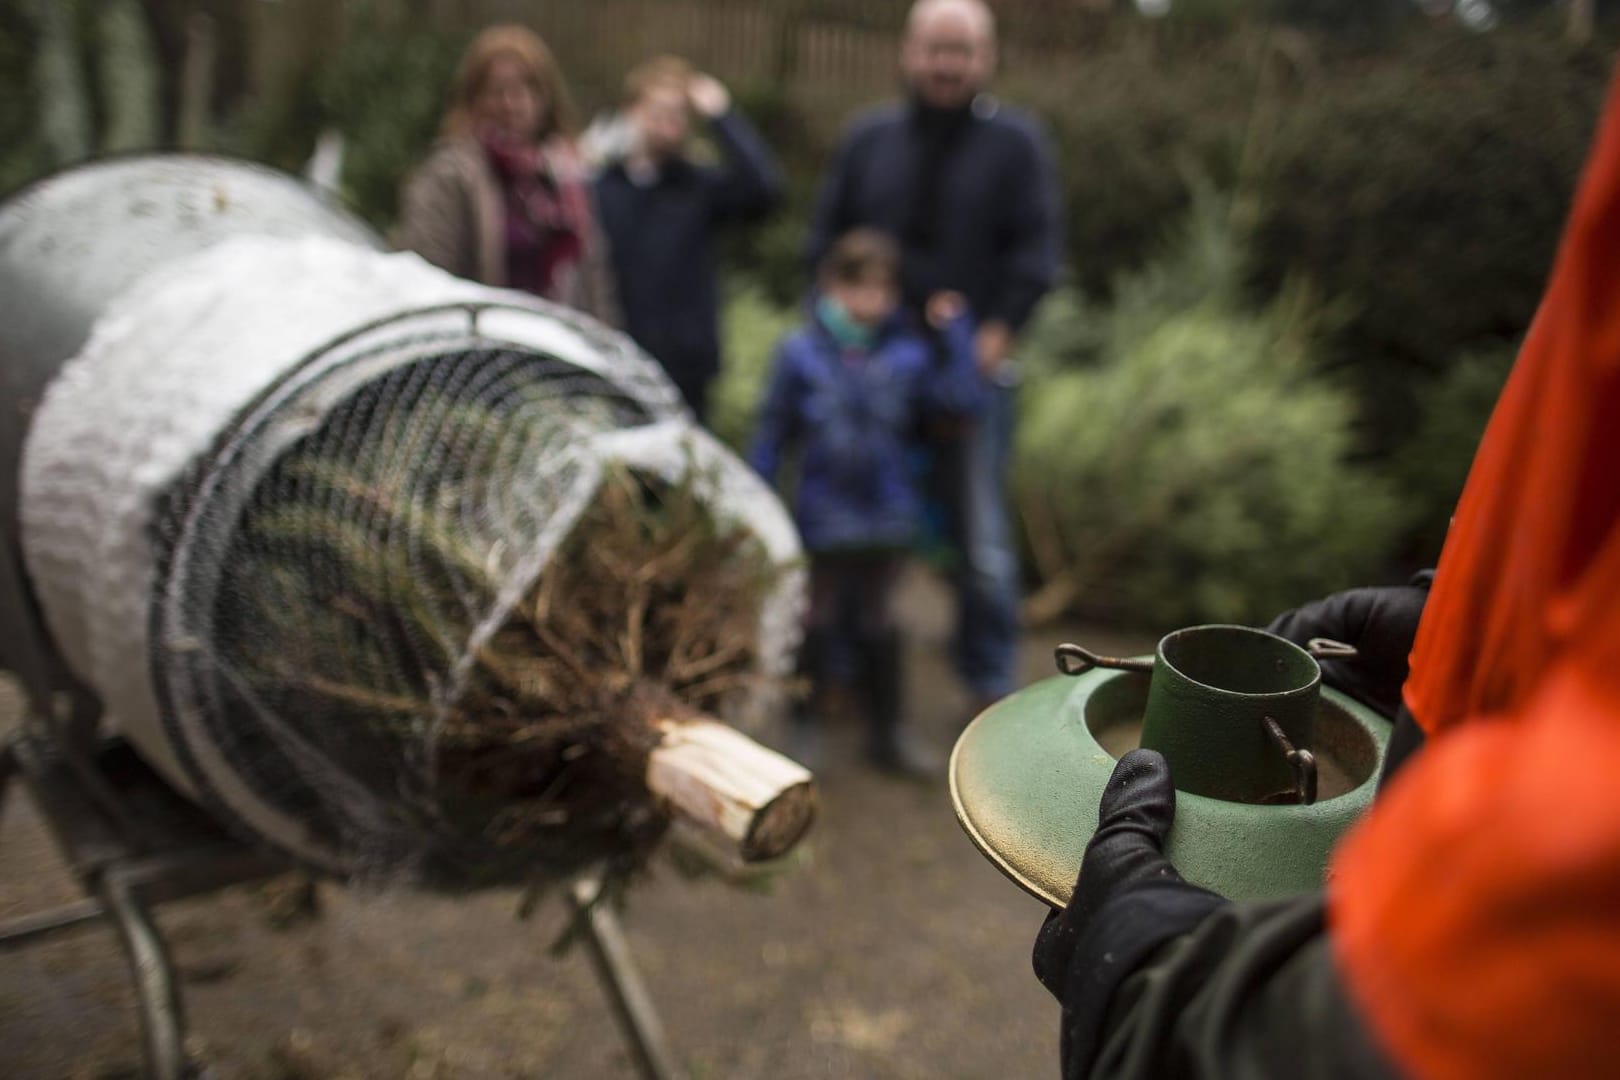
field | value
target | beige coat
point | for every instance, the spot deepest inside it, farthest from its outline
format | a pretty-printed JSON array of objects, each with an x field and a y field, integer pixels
[{"x": 452, "y": 213}]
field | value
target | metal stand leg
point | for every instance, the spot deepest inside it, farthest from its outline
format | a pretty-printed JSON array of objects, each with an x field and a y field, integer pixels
[
  {"x": 632, "y": 1006},
  {"x": 157, "y": 991}
]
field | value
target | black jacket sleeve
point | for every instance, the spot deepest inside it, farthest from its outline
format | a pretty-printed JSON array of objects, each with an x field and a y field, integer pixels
[
  {"x": 1250, "y": 991},
  {"x": 748, "y": 183},
  {"x": 832, "y": 214},
  {"x": 1032, "y": 240}
]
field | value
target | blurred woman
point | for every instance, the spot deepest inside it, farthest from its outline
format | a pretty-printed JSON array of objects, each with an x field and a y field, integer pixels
[{"x": 504, "y": 198}]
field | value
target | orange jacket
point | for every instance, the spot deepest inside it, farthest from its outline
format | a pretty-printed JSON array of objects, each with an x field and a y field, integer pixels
[{"x": 1476, "y": 910}]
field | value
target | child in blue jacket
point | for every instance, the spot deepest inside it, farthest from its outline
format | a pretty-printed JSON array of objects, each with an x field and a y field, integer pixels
[{"x": 848, "y": 393}]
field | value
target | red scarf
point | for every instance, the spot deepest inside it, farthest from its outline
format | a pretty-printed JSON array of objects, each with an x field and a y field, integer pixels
[{"x": 547, "y": 217}]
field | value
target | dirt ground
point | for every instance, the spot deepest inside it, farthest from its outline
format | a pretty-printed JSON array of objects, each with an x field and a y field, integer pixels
[{"x": 892, "y": 950}]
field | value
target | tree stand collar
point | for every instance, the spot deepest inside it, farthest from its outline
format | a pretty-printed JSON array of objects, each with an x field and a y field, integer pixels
[{"x": 1270, "y": 767}]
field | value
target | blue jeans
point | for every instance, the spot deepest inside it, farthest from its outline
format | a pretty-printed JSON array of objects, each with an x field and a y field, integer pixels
[{"x": 973, "y": 478}]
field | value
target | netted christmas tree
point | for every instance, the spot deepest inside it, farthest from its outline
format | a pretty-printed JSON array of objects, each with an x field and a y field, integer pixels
[{"x": 467, "y": 631}]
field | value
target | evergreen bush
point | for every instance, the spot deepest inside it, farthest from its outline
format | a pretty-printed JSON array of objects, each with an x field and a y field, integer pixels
[
  {"x": 386, "y": 94},
  {"x": 1428, "y": 191},
  {"x": 752, "y": 325},
  {"x": 1431, "y": 467},
  {"x": 1198, "y": 468},
  {"x": 23, "y": 152}
]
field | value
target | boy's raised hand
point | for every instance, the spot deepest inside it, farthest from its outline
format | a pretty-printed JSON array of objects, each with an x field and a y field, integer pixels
[
  {"x": 945, "y": 308},
  {"x": 708, "y": 95}
]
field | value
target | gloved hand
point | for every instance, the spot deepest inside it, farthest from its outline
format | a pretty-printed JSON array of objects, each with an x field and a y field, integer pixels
[
  {"x": 1380, "y": 622},
  {"x": 1127, "y": 852}
]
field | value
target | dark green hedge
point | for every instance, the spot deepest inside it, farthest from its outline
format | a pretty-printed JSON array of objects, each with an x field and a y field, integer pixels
[
  {"x": 1429, "y": 195},
  {"x": 23, "y": 156}
]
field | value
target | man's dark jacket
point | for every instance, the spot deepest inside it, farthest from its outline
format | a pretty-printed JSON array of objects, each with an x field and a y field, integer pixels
[
  {"x": 996, "y": 237},
  {"x": 662, "y": 237}
]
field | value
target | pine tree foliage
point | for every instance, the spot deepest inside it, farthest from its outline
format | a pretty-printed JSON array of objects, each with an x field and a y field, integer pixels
[{"x": 1196, "y": 468}]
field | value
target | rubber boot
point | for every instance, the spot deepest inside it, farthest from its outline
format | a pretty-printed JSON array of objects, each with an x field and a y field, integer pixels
[
  {"x": 882, "y": 684},
  {"x": 804, "y": 723}
]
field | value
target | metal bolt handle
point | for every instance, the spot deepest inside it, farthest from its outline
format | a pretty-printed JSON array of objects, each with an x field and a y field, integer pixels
[
  {"x": 1322, "y": 648},
  {"x": 1075, "y": 659},
  {"x": 1303, "y": 762}
]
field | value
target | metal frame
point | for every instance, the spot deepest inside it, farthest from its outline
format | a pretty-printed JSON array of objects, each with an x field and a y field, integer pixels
[
  {"x": 615, "y": 969},
  {"x": 127, "y": 863}
]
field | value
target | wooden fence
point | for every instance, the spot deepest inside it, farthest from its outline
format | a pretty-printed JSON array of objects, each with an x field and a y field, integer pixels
[{"x": 823, "y": 54}]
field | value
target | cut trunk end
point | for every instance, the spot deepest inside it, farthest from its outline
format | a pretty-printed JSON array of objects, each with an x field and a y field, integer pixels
[{"x": 716, "y": 777}]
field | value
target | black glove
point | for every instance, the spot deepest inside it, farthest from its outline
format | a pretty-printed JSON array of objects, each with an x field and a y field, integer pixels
[
  {"x": 1137, "y": 809},
  {"x": 1128, "y": 900},
  {"x": 1380, "y": 622}
]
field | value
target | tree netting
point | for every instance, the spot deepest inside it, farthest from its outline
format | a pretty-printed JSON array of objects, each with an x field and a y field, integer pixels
[{"x": 410, "y": 709}]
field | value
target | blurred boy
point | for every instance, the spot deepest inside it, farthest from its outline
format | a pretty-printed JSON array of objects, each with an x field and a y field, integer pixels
[
  {"x": 848, "y": 392},
  {"x": 661, "y": 211}
]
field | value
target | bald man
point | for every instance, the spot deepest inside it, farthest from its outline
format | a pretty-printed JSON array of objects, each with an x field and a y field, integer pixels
[{"x": 967, "y": 188}]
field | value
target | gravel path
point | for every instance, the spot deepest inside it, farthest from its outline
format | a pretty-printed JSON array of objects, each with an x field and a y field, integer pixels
[{"x": 893, "y": 950}]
